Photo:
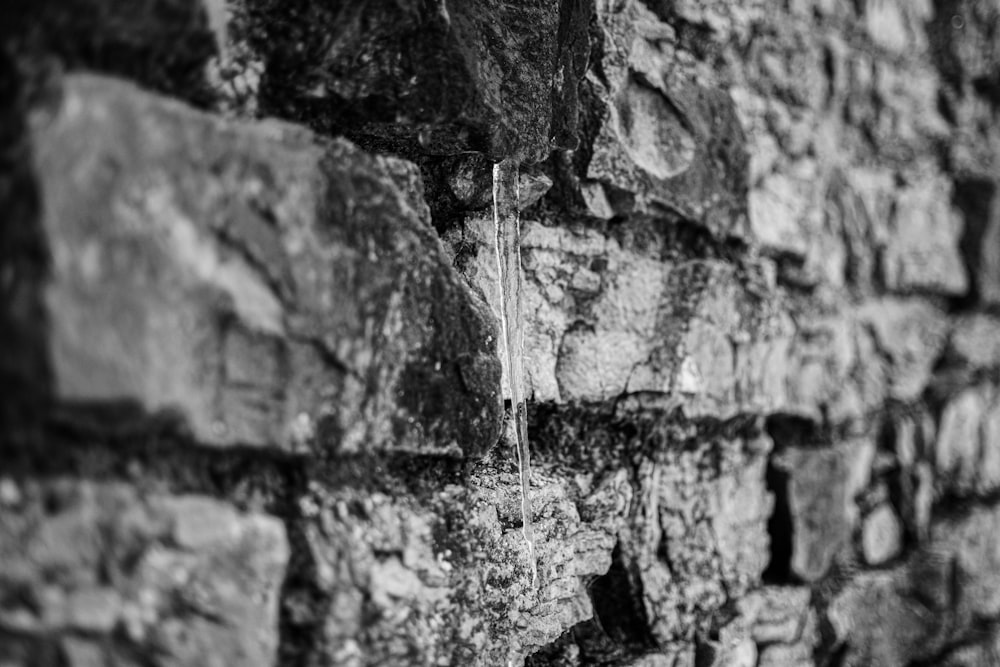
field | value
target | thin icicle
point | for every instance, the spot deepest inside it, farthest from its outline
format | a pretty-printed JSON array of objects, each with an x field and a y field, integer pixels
[{"x": 508, "y": 244}]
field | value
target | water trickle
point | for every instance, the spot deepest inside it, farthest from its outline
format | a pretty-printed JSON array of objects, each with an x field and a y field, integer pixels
[{"x": 508, "y": 243}]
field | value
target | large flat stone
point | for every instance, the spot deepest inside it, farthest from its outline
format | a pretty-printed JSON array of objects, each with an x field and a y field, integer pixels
[
  {"x": 667, "y": 131},
  {"x": 267, "y": 288}
]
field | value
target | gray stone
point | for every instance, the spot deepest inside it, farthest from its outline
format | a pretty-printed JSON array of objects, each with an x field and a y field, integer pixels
[
  {"x": 922, "y": 250},
  {"x": 10, "y": 492},
  {"x": 733, "y": 648},
  {"x": 87, "y": 653},
  {"x": 711, "y": 336},
  {"x": 975, "y": 341},
  {"x": 972, "y": 542},
  {"x": 470, "y": 179},
  {"x": 818, "y": 371},
  {"x": 95, "y": 610},
  {"x": 912, "y": 612},
  {"x": 858, "y": 619},
  {"x": 983, "y": 652},
  {"x": 988, "y": 478},
  {"x": 201, "y": 523},
  {"x": 667, "y": 133},
  {"x": 465, "y": 597},
  {"x": 957, "y": 451},
  {"x": 780, "y": 208},
  {"x": 296, "y": 298},
  {"x": 596, "y": 200},
  {"x": 823, "y": 483},
  {"x": 531, "y": 187},
  {"x": 707, "y": 521},
  {"x": 722, "y": 20},
  {"x": 886, "y": 24},
  {"x": 775, "y": 214},
  {"x": 192, "y": 604},
  {"x": 776, "y": 614},
  {"x": 910, "y": 334},
  {"x": 881, "y": 535},
  {"x": 488, "y": 76}
]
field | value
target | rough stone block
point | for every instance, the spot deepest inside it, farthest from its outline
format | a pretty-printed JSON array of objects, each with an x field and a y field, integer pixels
[
  {"x": 910, "y": 335},
  {"x": 881, "y": 535},
  {"x": 859, "y": 616},
  {"x": 975, "y": 342},
  {"x": 610, "y": 317},
  {"x": 777, "y": 615},
  {"x": 702, "y": 521},
  {"x": 490, "y": 75},
  {"x": 447, "y": 580},
  {"x": 967, "y": 448},
  {"x": 922, "y": 251},
  {"x": 266, "y": 287},
  {"x": 780, "y": 210},
  {"x": 668, "y": 132},
  {"x": 959, "y": 440},
  {"x": 98, "y": 570},
  {"x": 823, "y": 483},
  {"x": 913, "y": 612}
]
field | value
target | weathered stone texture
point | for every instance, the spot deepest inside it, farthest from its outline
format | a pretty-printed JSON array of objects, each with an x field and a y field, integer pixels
[
  {"x": 967, "y": 449},
  {"x": 269, "y": 289},
  {"x": 100, "y": 573},
  {"x": 823, "y": 483},
  {"x": 783, "y": 624},
  {"x": 699, "y": 540},
  {"x": 613, "y": 317},
  {"x": 761, "y": 263},
  {"x": 667, "y": 135},
  {"x": 616, "y": 315},
  {"x": 933, "y": 599},
  {"x": 446, "y": 580},
  {"x": 449, "y": 75},
  {"x": 881, "y": 537}
]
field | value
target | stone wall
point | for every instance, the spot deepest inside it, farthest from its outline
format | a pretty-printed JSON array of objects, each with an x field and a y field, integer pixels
[{"x": 252, "y": 409}]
